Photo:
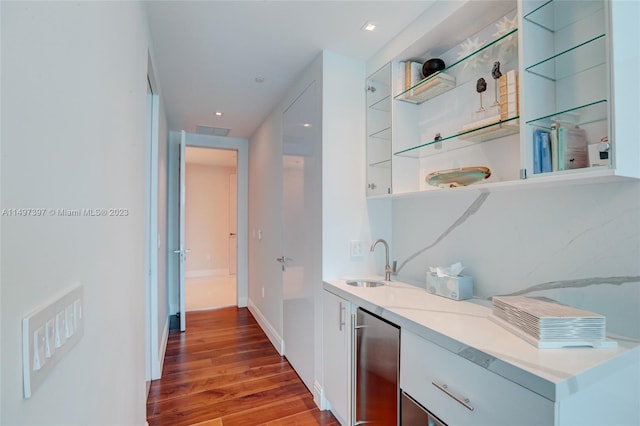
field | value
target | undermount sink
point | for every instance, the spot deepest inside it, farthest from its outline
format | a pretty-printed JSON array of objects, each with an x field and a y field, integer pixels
[{"x": 365, "y": 283}]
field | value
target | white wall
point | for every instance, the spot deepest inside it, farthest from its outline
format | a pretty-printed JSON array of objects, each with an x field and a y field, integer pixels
[
  {"x": 344, "y": 212},
  {"x": 73, "y": 132},
  {"x": 207, "y": 219}
]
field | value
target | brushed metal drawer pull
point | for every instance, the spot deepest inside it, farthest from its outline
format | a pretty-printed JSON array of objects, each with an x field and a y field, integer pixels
[{"x": 464, "y": 401}]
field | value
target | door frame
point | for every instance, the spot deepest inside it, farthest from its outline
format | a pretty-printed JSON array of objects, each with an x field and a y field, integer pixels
[
  {"x": 153, "y": 363},
  {"x": 240, "y": 145},
  {"x": 233, "y": 249}
]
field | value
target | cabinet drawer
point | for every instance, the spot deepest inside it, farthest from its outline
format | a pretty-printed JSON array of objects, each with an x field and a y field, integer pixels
[{"x": 494, "y": 399}]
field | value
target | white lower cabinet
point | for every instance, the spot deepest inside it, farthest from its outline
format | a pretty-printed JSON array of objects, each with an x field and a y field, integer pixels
[
  {"x": 336, "y": 352},
  {"x": 460, "y": 392}
]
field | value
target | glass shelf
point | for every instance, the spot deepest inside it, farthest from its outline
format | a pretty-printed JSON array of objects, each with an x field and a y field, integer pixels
[
  {"x": 582, "y": 57},
  {"x": 382, "y": 105},
  {"x": 409, "y": 95},
  {"x": 386, "y": 164},
  {"x": 580, "y": 116},
  {"x": 553, "y": 16},
  {"x": 382, "y": 134},
  {"x": 459, "y": 140}
]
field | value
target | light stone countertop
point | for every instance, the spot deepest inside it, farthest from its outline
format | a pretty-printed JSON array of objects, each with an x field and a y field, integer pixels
[{"x": 464, "y": 328}]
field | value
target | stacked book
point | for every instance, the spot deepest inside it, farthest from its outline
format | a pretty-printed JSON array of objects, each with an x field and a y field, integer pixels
[
  {"x": 509, "y": 100},
  {"x": 564, "y": 147},
  {"x": 548, "y": 324}
]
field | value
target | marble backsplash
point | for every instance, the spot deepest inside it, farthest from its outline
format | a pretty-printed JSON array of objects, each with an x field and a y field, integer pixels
[{"x": 579, "y": 245}]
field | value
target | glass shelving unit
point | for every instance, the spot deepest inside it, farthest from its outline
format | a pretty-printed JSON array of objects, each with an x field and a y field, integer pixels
[
  {"x": 568, "y": 82},
  {"x": 580, "y": 58},
  {"x": 581, "y": 116},
  {"x": 443, "y": 81},
  {"x": 379, "y": 132},
  {"x": 464, "y": 139},
  {"x": 555, "y": 16}
]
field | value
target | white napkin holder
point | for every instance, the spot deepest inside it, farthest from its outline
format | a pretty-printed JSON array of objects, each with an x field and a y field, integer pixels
[{"x": 459, "y": 287}]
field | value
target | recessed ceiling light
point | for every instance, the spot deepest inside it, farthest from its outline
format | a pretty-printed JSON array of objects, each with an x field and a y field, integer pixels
[
  {"x": 259, "y": 79},
  {"x": 369, "y": 26},
  {"x": 306, "y": 125},
  {"x": 219, "y": 114}
]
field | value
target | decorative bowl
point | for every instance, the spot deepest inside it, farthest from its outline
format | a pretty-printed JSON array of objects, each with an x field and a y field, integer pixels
[
  {"x": 458, "y": 177},
  {"x": 431, "y": 66}
]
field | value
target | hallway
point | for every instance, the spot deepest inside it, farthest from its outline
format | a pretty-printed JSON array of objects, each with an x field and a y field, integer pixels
[{"x": 224, "y": 371}]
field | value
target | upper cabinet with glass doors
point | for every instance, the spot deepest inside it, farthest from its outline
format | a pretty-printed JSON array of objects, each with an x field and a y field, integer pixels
[
  {"x": 568, "y": 91},
  {"x": 543, "y": 91},
  {"x": 379, "y": 132}
]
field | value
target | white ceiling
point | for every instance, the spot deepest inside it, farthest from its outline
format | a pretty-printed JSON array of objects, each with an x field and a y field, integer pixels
[{"x": 207, "y": 54}]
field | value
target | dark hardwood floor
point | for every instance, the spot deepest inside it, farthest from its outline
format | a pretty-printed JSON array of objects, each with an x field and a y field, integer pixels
[{"x": 224, "y": 371}]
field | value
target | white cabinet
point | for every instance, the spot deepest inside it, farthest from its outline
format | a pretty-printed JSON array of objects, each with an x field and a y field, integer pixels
[
  {"x": 336, "y": 353},
  {"x": 566, "y": 90},
  {"x": 460, "y": 392},
  {"x": 565, "y": 65},
  {"x": 466, "y": 116},
  {"x": 571, "y": 88}
]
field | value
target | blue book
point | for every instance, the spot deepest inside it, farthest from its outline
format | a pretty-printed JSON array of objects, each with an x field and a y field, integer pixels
[
  {"x": 545, "y": 153},
  {"x": 537, "y": 151}
]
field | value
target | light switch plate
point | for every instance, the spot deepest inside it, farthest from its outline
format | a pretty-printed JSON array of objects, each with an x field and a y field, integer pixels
[{"x": 48, "y": 333}]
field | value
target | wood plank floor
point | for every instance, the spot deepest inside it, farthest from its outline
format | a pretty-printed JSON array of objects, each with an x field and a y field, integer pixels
[{"x": 224, "y": 371}]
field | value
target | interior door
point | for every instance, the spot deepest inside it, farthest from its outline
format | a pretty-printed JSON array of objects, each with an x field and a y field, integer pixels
[
  {"x": 181, "y": 251},
  {"x": 301, "y": 224},
  {"x": 233, "y": 223}
]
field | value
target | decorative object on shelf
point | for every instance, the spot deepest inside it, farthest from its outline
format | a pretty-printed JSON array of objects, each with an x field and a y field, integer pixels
[
  {"x": 432, "y": 66},
  {"x": 496, "y": 74},
  {"x": 437, "y": 137},
  {"x": 468, "y": 47},
  {"x": 453, "y": 178},
  {"x": 429, "y": 89},
  {"x": 481, "y": 86}
]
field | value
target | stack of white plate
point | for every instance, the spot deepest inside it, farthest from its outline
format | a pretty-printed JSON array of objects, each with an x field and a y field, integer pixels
[{"x": 549, "y": 324}]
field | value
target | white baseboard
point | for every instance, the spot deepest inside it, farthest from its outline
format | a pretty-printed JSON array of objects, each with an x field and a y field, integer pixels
[
  {"x": 268, "y": 329},
  {"x": 199, "y": 273},
  {"x": 163, "y": 348},
  {"x": 319, "y": 398}
]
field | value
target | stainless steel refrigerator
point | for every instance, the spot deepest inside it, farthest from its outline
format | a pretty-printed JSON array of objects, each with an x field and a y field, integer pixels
[{"x": 377, "y": 372}]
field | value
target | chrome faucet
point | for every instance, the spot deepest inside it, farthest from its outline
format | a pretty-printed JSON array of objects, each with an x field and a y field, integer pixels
[{"x": 387, "y": 269}]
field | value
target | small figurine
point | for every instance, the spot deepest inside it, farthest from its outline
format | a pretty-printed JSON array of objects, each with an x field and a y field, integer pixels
[
  {"x": 481, "y": 86},
  {"x": 496, "y": 74},
  {"x": 495, "y": 71}
]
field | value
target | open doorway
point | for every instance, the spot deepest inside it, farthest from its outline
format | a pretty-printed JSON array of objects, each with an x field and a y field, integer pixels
[{"x": 210, "y": 228}]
